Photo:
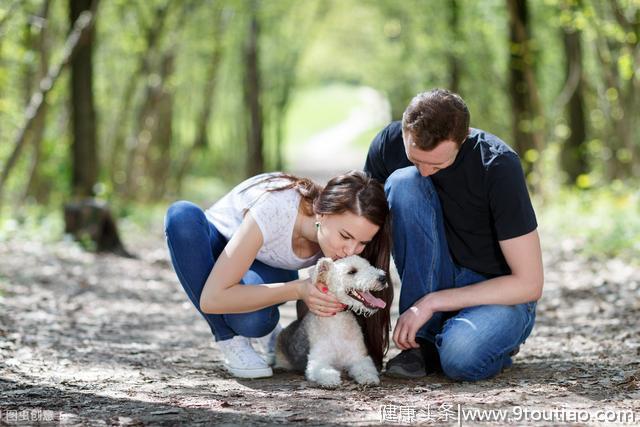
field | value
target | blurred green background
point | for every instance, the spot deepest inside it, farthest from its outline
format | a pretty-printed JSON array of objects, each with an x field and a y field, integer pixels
[{"x": 164, "y": 100}]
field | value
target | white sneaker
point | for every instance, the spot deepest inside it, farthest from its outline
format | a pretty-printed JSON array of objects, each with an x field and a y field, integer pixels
[
  {"x": 266, "y": 345},
  {"x": 241, "y": 360}
]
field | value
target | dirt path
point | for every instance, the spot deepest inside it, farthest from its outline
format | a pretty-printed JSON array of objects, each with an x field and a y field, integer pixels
[
  {"x": 332, "y": 152},
  {"x": 102, "y": 340}
]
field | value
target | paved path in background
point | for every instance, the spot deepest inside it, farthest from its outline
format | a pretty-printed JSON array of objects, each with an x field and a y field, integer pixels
[{"x": 332, "y": 151}]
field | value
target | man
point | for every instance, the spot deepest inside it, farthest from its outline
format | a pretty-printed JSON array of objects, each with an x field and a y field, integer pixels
[{"x": 465, "y": 241}]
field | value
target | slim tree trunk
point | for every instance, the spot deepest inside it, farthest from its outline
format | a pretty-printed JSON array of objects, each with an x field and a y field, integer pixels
[
  {"x": 573, "y": 156},
  {"x": 116, "y": 137},
  {"x": 527, "y": 111},
  {"x": 34, "y": 187},
  {"x": 84, "y": 158},
  {"x": 255, "y": 157},
  {"x": 621, "y": 108},
  {"x": 158, "y": 155},
  {"x": 202, "y": 141}
]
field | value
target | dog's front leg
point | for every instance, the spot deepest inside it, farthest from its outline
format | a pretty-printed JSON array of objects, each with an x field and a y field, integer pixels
[
  {"x": 319, "y": 370},
  {"x": 363, "y": 371}
]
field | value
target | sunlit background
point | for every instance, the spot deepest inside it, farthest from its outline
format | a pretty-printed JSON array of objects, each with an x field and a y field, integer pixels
[{"x": 183, "y": 99}]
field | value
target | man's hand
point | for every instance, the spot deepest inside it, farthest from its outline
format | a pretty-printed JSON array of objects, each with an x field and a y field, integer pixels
[{"x": 404, "y": 334}]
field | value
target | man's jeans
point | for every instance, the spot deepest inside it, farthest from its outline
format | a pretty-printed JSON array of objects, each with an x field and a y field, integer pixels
[
  {"x": 474, "y": 343},
  {"x": 195, "y": 244}
]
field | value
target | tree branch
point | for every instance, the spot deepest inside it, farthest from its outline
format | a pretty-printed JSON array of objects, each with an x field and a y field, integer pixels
[{"x": 83, "y": 24}]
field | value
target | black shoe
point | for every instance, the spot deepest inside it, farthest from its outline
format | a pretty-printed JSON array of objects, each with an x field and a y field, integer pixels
[
  {"x": 430, "y": 356},
  {"x": 407, "y": 364}
]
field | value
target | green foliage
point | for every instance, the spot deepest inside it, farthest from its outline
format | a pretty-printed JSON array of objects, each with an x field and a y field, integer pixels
[
  {"x": 318, "y": 108},
  {"x": 312, "y": 55},
  {"x": 33, "y": 222},
  {"x": 606, "y": 221}
]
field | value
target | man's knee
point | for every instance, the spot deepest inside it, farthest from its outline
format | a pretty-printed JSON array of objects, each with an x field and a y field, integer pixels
[
  {"x": 465, "y": 361},
  {"x": 475, "y": 345},
  {"x": 399, "y": 181}
]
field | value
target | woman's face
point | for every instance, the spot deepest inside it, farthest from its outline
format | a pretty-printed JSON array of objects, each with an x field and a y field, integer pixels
[{"x": 345, "y": 234}]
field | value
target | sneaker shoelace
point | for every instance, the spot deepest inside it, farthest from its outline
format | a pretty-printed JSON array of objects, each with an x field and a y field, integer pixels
[{"x": 242, "y": 350}]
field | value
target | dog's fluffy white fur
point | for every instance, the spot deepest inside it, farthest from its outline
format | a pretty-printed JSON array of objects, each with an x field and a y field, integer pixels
[{"x": 323, "y": 346}]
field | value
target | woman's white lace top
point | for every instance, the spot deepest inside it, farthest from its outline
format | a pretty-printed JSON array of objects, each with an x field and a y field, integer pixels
[{"x": 274, "y": 212}]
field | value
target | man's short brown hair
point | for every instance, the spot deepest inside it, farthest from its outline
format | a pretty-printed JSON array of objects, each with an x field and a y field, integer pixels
[{"x": 436, "y": 116}]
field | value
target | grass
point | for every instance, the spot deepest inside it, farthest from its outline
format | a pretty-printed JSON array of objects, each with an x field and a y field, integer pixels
[
  {"x": 605, "y": 221},
  {"x": 365, "y": 138},
  {"x": 315, "y": 109}
]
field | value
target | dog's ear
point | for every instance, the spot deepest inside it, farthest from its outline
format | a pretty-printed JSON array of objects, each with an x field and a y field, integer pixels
[{"x": 323, "y": 268}]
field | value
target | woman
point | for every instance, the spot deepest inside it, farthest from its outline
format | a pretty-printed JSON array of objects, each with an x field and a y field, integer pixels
[{"x": 262, "y": 233}]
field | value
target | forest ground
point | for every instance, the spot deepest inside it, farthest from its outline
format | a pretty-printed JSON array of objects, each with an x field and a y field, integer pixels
[{"x": 104, "y": 340}]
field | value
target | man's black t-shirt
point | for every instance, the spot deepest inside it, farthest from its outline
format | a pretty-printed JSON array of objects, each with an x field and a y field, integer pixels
[{"x": 483, "y": 195}]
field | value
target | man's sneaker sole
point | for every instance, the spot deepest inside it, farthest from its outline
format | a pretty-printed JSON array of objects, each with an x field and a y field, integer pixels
[{"x": 250, "y": 373}]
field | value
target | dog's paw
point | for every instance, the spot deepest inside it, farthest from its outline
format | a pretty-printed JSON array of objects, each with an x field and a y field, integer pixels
[
  {"x": 329, "y": 382},
  {"x": 364, "y": 372},
  {"x": 325, "y": 377},
  {"x": 368, "y": 379}
]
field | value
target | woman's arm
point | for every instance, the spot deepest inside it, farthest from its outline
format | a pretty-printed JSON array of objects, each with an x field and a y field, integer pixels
[{"x": 222, "y": 292}]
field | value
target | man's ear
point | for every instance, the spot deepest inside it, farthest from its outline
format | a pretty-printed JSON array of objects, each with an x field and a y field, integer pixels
[{"x": 323, "y": 269}]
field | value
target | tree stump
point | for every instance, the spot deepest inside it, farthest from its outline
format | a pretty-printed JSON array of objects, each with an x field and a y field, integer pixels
[{"x": 90, "y": 221}]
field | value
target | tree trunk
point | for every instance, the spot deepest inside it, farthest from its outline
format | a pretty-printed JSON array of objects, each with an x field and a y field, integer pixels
[
  {"x": 573, "y": 157},
  {"x": 35, "y": 186},
  {"x": 158, "y": 155},
  {"x": 255, "y": 157},
  {"x": 119, "y": 128},
  {"x": 202, "y": 141},
  {"x": 527, "y": 114},
  {"x": 86, "y": 217},
  {"x": 84, "y": 158},
  {"x": 91, "y": 223},
  {"x": 82, "y": 25},
  {"x": 621, "y": 109}
]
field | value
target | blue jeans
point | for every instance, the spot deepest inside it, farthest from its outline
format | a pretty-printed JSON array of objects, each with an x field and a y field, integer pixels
[
  {"x": 474, "y": 343},
  {"x": 195, "y": 244}
]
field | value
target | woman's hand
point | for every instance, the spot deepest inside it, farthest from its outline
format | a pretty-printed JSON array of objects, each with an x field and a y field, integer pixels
[{"x": 318, "y": 298}]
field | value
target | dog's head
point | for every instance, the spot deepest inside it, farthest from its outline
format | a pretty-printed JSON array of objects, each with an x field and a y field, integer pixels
[{"x": 351, "y": 280}]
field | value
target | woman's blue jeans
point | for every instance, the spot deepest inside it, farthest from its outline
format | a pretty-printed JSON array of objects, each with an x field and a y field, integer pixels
[
  {"x": 195, "y": 244},
  {"x": 474, "y": 343}
]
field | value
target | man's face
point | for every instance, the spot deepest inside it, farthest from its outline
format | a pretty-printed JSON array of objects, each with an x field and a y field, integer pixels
[{"x": 432, "y": 161}]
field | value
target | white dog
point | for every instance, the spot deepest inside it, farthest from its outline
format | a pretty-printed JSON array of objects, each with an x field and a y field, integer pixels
[{"x": 323, "y": 346}]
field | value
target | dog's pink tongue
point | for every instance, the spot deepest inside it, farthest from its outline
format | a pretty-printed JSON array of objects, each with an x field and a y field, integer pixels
[{"x": 371, "y": 300}]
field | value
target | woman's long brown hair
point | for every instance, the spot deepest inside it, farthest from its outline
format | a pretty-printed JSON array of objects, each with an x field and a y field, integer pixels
[{"x": 361, "y": 195}]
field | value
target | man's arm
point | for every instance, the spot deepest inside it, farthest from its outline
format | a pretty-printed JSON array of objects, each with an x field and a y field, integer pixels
[{"x": 524, "y": 284}]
